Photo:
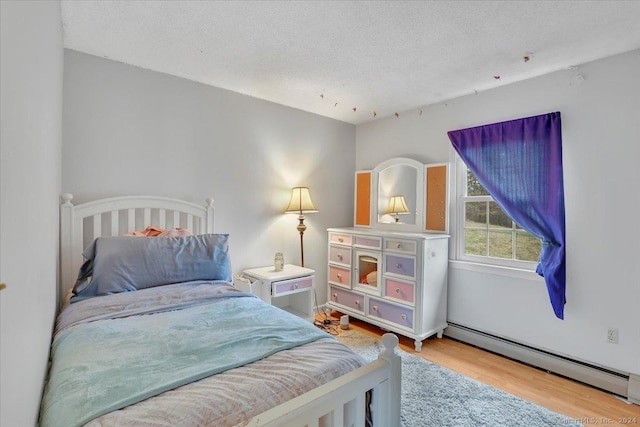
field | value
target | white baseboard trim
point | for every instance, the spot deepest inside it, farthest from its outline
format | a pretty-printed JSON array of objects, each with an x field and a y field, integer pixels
[
  {"x": 633, "y": 393},
  {"x": 615, "y": 382}
]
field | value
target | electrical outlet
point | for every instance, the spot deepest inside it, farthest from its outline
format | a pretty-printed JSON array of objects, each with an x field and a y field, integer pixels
[{"x": 612, "y": 335}]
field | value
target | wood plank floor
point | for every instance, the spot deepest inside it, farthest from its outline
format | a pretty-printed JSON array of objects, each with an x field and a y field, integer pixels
[{"x": 584, "y": 403}]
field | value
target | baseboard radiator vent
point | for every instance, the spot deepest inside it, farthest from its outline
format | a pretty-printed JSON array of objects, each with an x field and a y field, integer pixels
[{"x": 615, "y": 382}]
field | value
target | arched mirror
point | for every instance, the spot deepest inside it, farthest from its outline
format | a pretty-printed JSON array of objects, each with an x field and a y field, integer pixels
[{"x": 398, "y": 192}]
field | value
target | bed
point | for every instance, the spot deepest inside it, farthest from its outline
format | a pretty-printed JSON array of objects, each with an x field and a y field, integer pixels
[{"x": 157, "y": 335}]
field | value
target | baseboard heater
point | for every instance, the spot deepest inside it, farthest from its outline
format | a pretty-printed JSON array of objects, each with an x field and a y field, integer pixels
[{"x": 615, "y": 382}]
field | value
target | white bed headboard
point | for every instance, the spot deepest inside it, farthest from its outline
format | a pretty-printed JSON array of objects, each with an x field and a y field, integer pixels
[{"x": 81, "y": 224}]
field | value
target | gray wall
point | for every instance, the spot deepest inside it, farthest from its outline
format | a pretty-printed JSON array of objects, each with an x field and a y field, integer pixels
[
  {"x": 30, "y": 143},
  {"x": 128, "y": 130},
  {"x": 601, "y": 155}
]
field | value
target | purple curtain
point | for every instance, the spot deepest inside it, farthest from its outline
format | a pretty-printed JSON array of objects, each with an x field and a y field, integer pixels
[{"x": 519, "y": 162}]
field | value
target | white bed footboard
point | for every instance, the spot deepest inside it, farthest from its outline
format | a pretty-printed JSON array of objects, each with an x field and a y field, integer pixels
[{"x": 342, "y": 402}]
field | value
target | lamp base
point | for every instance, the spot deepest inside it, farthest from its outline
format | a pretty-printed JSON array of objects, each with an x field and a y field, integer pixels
[{"x": 301, "y": 229}]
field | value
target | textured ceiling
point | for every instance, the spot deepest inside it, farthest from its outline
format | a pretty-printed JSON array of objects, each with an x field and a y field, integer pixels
[{"x": 354, "y": 61}]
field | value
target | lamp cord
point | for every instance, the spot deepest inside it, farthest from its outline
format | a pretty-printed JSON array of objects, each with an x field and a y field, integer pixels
[{"x": 326, "y": 324}]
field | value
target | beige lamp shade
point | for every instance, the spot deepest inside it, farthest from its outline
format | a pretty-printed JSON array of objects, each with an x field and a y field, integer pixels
[
  {"x": 300, "y": 201},
  {"x": 397, "y": 206}
]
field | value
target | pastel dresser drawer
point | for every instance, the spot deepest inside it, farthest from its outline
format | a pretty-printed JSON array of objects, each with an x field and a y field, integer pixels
[
  {"x": 340, "y": 276},
  {"x": 396, "y": 314},
  {"x": 341, "y": 239},
  {"x": 340, "y": 255},
  {"x": 400, "y": 246},
  {"x": 292, "y": 286},
  {"x": 367, "y": 242},
  {"x": 401, "y": 291},
  {"x": 404, "y": 266},
  {"x": 347, "y": 299}
]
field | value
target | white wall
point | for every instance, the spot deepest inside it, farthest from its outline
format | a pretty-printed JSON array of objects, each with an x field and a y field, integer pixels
[
  {"x": 30, "y": 144},
  {"x": 128, "y": 130},
  {"x": 601, "y": 154}
]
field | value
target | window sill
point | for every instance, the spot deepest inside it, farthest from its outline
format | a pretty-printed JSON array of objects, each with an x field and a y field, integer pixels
[{"x": 497, "y": 270}]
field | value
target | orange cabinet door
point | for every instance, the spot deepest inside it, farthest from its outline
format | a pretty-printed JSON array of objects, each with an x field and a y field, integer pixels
[
  {"x": 362, "y": 211},
  {"x": 437, "y": 198}
]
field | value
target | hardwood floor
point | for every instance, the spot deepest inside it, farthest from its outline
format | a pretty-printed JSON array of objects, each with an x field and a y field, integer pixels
[{"x": 586, "y": 404}]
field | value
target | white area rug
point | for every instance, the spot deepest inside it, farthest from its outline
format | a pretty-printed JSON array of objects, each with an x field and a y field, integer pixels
[{"x": 436, "y": 396}]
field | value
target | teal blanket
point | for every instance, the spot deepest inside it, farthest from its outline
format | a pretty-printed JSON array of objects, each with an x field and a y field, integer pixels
[{"x": 107, "y": 364}]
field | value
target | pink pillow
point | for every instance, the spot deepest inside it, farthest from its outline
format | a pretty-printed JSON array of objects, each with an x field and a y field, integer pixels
[
  {"x": 153, "y": 231},
  {"x": 176, "y": 232}
]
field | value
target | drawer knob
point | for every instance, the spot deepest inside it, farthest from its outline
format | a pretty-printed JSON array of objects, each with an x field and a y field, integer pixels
[
  {"x": 375, "y": 308},
  {"x": 339, "y": 276},
  {"x": 398, "y": 266},
  {"x": 335, "y": 296},
  {"x": 397, "y": 290},
  {"x": 339, "y": 256},
  {"x": 399, "y": 245},
  {"x": 340, "y": 239},
  {"x": 295, "y": 286},
  {"x": 403, "y": 317},
  {"x": 356, "y": 302}
]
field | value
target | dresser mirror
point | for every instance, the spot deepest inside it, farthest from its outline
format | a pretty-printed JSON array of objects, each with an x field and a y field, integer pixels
[{"x": 398, "y": 195}]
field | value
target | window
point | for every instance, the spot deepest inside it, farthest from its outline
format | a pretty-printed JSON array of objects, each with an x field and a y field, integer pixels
[{"x": 486, "y": 234}]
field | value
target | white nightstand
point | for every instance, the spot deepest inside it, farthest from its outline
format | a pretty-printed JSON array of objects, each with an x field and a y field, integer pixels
[{"x": 290, "y": 289}]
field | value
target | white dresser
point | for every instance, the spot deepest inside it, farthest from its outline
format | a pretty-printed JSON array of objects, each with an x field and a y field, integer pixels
[{"x": 395, "y": 280}]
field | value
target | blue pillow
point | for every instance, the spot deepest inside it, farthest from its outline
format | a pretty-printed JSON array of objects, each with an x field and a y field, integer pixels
[{"x": 121, "y": 264}]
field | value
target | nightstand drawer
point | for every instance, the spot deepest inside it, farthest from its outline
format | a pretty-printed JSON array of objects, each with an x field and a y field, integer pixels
[
  {"x": 400, "y": 246},
  {"x": 340, "y": 276},
  {"x": 292, "y": 286},
  {"x": 398, "y": 265},
  {"x": 347, "y": 299},
  {"x": 396, "y": 314},
  {"x": 341, "y": 239},
  {"x": 340, "y": 255}
]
